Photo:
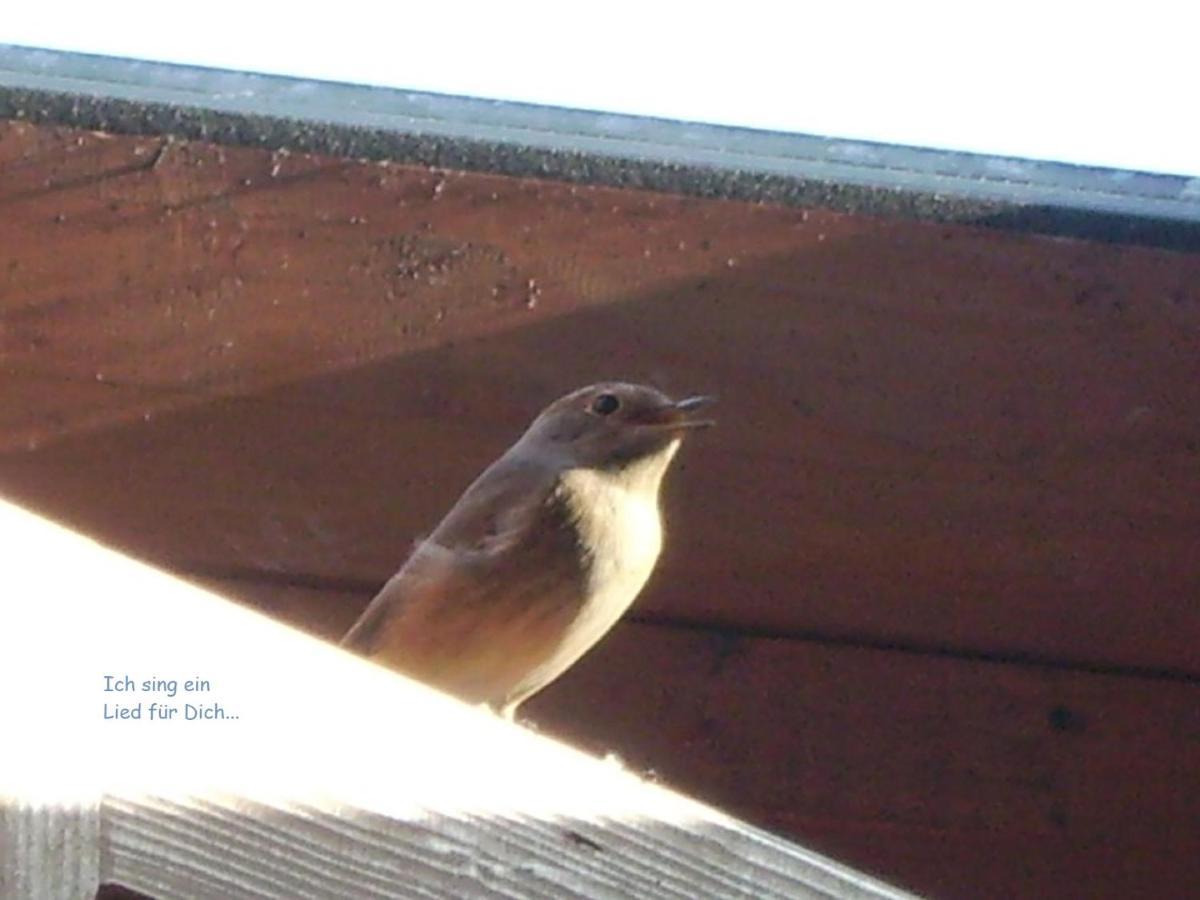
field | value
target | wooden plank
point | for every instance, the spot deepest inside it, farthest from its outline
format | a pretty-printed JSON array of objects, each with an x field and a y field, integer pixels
[
  {"x": 829, "y": 533},
  {"x": 207, "y": 270},
  {"x": 324, "y": 776},
  {"x": 958, "y": 778},
  {"x": 47, "y": 848},
  {"x": 943, "y": 438},
  {"x": 41, "y": 161},
  {"x": 160, "y": 302}
]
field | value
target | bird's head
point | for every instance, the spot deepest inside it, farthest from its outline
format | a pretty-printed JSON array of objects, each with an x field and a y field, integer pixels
[{"x": 614, "y": 426}]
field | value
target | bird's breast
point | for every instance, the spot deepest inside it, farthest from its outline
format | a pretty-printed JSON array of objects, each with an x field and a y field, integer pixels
[{"x": 619, "y": 534}]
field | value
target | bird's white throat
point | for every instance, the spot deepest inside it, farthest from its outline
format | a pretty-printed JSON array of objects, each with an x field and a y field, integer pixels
[{"x": 619, "y": 525}]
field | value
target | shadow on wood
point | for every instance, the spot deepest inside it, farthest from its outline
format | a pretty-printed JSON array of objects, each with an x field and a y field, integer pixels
[
  {"x": 929, "y": 585},
  {"x": 164, "y": 756}
]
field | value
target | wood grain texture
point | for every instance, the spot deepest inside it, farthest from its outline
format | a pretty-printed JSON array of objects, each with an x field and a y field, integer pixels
[
  {"x": 940, "y": 437},
  {"x": 206, "y": 848},
  {"x": 959, "y": 779},
  {"x": 330, "y": 777},
  {"x": 47, "y": 849},
  {"x": 937, "y": 446}
]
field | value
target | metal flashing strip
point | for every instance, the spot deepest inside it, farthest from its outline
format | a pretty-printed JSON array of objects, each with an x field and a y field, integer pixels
[{"x": 132, "y": 96}]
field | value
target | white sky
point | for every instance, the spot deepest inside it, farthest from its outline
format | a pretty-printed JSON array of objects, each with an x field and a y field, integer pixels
[{"x": 1103, "y": 84}]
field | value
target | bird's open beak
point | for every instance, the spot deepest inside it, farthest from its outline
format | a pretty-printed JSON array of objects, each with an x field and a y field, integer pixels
[{"x": 678, "y": 415}]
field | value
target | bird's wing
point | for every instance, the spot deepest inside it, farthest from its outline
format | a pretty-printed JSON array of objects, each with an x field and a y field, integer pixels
[
  {"x": 479, "y": 595},
  {"x": 497, "y": 510}
]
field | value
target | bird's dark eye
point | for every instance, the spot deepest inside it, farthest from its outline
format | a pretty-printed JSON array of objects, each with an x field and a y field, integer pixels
[{"x": 605, "y": 404}]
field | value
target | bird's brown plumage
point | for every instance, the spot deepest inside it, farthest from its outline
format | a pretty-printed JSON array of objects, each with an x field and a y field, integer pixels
[{"x": 513, "y": 585}]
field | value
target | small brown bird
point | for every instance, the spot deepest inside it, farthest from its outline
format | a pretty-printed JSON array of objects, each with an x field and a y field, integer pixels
[{"x": 540, "y": 556}]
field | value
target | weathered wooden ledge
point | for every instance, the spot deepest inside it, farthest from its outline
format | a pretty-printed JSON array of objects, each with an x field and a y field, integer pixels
[{"x": 327, "y": 778}]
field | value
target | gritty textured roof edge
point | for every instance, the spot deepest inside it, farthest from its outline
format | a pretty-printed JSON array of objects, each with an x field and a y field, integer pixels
[{"x": 132, "y": 96}]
